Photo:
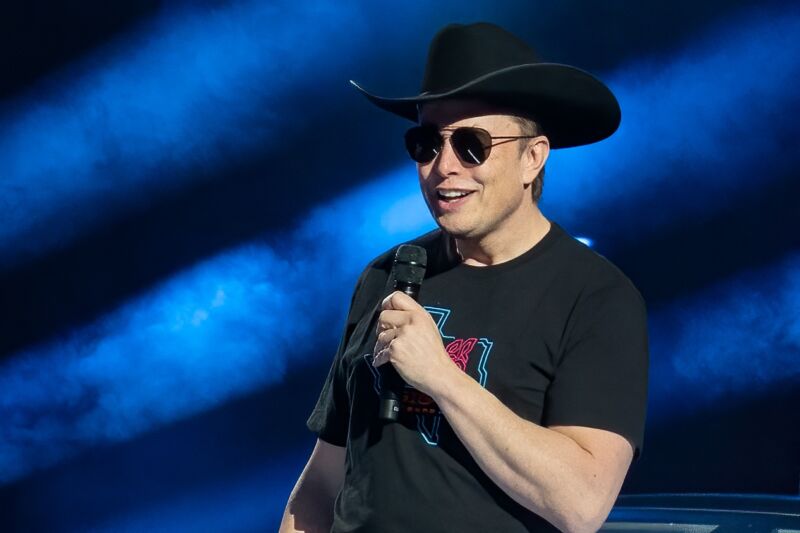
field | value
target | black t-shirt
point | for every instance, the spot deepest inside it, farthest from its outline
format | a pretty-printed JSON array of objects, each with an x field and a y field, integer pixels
[{"x": 558, "y": 334}]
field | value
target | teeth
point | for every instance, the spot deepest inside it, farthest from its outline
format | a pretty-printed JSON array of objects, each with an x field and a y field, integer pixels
[{"x": 453, "y": 194}]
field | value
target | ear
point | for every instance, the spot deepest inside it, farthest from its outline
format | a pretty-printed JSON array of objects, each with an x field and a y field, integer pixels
[{"x": 534, "y": 157}]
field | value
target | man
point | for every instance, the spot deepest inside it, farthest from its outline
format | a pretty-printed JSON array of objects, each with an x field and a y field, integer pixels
[{"x": 526, "y": 356}]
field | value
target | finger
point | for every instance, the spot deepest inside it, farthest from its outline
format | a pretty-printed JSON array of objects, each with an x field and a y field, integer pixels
[
  {"x": 392, "y": 319},
  {"x": 381, "y": 358},
  {"x": 400, "y": 301},
  {"x": 386, "y": 303},
  {"x": 385, "y": 338}
]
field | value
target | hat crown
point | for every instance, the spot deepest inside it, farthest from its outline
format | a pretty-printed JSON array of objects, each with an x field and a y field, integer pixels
[{"x": 460, "y": 53}]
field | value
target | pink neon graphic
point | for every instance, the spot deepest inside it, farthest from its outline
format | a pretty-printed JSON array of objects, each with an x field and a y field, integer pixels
[{"x": 459, "y": 351}]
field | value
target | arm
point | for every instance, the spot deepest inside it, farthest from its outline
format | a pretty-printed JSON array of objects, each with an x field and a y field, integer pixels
[
  {"x": 310, "y": 505},
  {"x": 569, "y": 475}
]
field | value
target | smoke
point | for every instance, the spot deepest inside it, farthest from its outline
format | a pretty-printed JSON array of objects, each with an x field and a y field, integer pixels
[
  {"x": 699, "y": 128},
  {"x": 252, "y": 502},
  {"x": 739, "y": 336},
  {"x": 189, "y": 89},
  {"x": 224, "y": 327}
]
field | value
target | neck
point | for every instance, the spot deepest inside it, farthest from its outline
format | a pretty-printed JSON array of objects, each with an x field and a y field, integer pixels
[{"x": 501, "y": 246}]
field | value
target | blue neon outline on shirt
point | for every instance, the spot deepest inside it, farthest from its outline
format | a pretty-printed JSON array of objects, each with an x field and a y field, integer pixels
[
  {"x": 487, "y": 348},
  {"x": 430, "y": 437},
  {"x": 441, "y": 315},
  {"x": 376, "y": 382}
]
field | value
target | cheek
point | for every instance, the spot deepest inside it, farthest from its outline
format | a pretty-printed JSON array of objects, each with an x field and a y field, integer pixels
[
  {"x": 424, "y": 176},
  {"x": 426, "y": 186},
  {"x": 501, "y": 192}
]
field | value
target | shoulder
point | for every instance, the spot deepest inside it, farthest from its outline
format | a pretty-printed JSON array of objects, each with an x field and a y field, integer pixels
[
  {"x": 590, "y": 264},
  {"x": 592, "y": 273},
  {"x": 436, "y": 243},
  {"x": 373, "y": 279}
]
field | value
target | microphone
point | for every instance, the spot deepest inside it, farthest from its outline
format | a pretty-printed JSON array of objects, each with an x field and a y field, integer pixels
[{"x": 408, "y": 270}]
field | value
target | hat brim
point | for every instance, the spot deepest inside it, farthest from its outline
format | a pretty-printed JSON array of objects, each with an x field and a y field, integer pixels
[{"x": 572, "y": 106}]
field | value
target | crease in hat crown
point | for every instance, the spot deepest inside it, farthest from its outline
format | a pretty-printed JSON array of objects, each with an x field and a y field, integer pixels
[
  {"x": 484, "y": 61},
  {"x": 460, "y": 53}
]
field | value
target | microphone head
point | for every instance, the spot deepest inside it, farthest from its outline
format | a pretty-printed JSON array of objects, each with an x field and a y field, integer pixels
[{"x": 409, "y": 264}]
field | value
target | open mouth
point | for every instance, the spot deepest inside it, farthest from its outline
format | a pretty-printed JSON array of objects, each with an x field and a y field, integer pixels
[{"x": 452, "y": 195}]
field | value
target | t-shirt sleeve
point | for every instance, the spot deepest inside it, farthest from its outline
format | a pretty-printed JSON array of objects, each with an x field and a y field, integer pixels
[
  {"x": 601, "y": 378},
  {"x": 331, "y": 415}
]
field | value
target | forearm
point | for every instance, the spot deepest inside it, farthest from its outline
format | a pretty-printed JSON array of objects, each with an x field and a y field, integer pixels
[{"x": 543, "y": 470}]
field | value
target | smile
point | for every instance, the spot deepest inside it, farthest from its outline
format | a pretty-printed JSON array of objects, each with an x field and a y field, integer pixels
[
  {"x": 451, "y": 200},
  {"x": 452, "y": 195}
]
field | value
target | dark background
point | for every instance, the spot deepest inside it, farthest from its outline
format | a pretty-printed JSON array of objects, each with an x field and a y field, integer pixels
[{"x": 703, "y": 223}]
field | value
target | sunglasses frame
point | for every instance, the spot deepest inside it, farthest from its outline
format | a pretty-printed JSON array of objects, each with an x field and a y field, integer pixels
[{"x": 464, "y": 153}]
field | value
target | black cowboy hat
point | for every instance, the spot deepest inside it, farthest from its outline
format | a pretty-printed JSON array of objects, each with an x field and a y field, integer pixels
[{"x": 486, "y": 62}]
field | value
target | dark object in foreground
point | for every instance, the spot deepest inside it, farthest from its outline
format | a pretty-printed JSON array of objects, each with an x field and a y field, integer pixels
[{"x": 701, "y": 513}]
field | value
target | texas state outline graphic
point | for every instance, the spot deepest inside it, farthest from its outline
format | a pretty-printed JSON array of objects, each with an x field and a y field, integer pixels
[{"x": 460, "y": 351}]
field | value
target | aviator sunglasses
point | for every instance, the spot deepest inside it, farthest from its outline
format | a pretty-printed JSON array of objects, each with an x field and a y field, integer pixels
[{"x": 471, "y": 145}]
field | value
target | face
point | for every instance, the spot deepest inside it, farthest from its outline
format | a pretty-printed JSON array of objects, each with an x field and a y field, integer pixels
[{"x": 471, "y": 201}]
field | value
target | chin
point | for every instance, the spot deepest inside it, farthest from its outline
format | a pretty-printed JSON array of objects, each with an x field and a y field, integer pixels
[{"x": 458, "y": 231}]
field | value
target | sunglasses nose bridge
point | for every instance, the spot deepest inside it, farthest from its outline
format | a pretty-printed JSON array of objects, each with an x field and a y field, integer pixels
[{"x": 447, "y": 159}]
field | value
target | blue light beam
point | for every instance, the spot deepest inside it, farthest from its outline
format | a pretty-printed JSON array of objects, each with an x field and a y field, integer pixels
[
  {"x": 252, "y": 502},
  {"x": 190, "y": 89},
  {"x": 700, "y": 129},
  {"x": 225, "y": 327},
  {"x": 740, "y": 336}
]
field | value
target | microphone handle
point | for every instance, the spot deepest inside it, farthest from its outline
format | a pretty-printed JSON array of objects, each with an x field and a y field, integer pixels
[
  {"x": 393, "y": 384},
  {"x": 411, "y": 289}
]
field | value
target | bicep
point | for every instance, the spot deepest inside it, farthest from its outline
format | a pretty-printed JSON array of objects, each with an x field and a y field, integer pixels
[
  {"x": 310, "y": 506},
  {"x": 325, "y": 467}
]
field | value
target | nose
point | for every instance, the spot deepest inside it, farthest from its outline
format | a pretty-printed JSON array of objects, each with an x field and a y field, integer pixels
[{"x": 447, "y": 162}]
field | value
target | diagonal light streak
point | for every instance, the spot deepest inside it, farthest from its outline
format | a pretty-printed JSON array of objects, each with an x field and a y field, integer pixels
[
  {"x": 190, "y": 89},
  {"x": 700, "y": 129},
  {"x": 220, "y": 329},
  {"x": 740, "y": 336}
]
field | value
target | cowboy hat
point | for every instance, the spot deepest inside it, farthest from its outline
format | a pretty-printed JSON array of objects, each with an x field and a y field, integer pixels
[{"x": 486, "y": 62}]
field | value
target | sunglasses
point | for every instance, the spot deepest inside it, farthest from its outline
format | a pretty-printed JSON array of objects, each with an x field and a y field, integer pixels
[{"x": 471, "y": 145}]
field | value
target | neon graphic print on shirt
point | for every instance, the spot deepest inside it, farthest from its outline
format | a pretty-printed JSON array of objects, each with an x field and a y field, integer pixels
[{"x": 427, "y": 413}]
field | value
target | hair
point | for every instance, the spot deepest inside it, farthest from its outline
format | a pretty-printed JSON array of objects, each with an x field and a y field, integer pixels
[{"x": 528, "y": 126}]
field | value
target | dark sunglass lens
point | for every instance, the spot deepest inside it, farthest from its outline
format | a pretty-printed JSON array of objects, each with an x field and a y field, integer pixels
[
  {"x": 472, "y": 145},
  {"x": 423, "y": 143}
]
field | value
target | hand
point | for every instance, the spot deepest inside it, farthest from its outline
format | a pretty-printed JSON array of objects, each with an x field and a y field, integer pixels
[{"x": 409, "y": 339}]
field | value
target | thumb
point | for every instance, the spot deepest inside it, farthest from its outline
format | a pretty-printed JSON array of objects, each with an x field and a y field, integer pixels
[{"x": 399, "y": 301}]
